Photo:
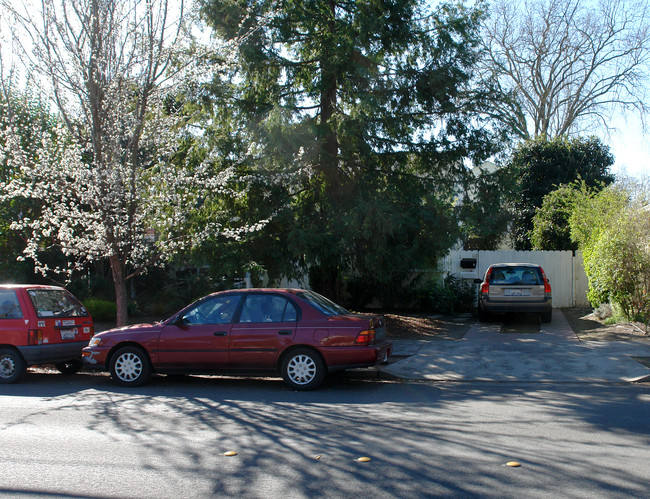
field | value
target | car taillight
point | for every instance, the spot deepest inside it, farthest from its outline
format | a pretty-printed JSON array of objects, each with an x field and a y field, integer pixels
[
  {"x": 485, "y": 286},
  {"x": 547, "y": 285},
  {"x": 35, "y": 337},
  {"x": 365, "y": 337}
]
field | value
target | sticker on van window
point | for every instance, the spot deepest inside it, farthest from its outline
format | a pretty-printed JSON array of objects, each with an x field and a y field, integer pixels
[{"x": 46, "y": 313}]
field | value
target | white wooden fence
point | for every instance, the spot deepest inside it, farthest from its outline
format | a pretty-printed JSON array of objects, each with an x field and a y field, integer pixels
[{"x": 564, "y": 270}]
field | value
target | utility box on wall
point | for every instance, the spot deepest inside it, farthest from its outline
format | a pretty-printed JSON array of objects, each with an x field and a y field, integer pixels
[
  {"x": 468, "y": 264},
  {"x": 468, "y": 268}
]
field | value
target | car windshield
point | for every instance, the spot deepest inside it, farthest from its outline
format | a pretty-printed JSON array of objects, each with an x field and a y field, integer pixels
[
  {"x": 55, "y": 303},
  {"x": 322, "y": 304},
  {"x": 514, "y": 275}
]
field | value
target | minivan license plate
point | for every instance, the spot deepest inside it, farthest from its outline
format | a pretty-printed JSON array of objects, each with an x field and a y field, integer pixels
[
  {"x": 517, "y": 292},
  {"x": 68, "y": 334}
]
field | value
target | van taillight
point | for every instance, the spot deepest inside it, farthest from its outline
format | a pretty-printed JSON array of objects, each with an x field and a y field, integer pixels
[{"x": 35, "y": 337}]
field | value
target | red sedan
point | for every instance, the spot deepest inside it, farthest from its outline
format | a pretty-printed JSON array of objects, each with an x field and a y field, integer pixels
[{"x": 296, "y": 333}]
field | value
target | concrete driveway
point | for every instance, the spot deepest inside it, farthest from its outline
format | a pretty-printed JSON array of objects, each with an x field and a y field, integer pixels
[{"x": 554, "y": 354}]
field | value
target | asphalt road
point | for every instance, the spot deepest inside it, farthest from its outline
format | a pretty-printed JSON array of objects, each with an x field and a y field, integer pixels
[{"x": 80, "y": 436}]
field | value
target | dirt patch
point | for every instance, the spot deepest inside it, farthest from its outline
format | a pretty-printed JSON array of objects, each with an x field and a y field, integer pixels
[
  {"x": 427, "y": 327},
  {"x": 589, "y": 328}
]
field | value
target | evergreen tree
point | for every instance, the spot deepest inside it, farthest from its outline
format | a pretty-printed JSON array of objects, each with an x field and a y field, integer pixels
[{"x": 353, "y": 119}]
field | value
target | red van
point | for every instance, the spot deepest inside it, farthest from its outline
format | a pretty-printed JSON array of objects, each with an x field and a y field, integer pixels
[{"x": 41, "y": 325}]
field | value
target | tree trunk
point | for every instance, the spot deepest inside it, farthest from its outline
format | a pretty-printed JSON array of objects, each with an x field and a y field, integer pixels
[{"x": 121, "y": 296}]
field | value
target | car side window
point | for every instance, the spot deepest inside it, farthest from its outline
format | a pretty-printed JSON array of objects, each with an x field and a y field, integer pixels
[
  {"x": 214, "y": 310},
  {"x": 9, "y": 306},
  {"x": 268, "y": 308}
]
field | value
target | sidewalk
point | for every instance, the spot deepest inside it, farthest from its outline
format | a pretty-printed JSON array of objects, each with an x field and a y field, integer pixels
[{"x": 553, "y": 355}]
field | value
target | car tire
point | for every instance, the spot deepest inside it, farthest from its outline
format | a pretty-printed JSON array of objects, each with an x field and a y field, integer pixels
[
  {"x": 12, "y": 365},
  {"x": 130, "y": 366},
  {"x": 69, "y": 367},
  {"x": 303, "y": 369},
  {"x": 547, "y": 316},
  {"x": 483, "y": 316}
]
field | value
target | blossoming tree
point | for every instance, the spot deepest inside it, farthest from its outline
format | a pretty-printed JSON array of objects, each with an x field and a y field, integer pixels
[{"x": 108, "y": 180}]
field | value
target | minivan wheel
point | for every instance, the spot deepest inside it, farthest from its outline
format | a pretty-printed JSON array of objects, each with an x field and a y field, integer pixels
[
  {"x": 70, "y": 367},
  {"x": 130, "y": 366},
  {"x": 547, "y": 316},
  {"x": 12, "y": 365},
  {"x": 303, "y": 369}
]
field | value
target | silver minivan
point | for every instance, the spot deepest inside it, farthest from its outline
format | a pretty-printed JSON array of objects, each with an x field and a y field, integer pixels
[{"x": 514, "y": 287}]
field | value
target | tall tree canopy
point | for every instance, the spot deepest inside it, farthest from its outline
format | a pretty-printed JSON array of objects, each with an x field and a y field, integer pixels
[
  {"x": 541, "y": 166},
  {"x": 567, "y": 63},
  {"x": 365, "y": 110}
]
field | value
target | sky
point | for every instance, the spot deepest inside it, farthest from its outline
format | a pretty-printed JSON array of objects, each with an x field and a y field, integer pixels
[
  {"x": 628, "y": 143},
  {"x": 630, "y": 147}
]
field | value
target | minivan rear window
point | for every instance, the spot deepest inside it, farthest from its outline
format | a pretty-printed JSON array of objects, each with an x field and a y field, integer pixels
[
  {"x": 55, "y": 303},
  {"x": 516, "y": 276}
]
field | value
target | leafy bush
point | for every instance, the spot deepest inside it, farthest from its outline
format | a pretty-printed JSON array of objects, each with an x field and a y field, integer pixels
[
  {"x": 551, "y": 229},
  {"x": 101, "y": 310},
  {"x": 614, "y": 233},
  {"x": 618, "y": 266},
  {"x": 452, "y": 294}
]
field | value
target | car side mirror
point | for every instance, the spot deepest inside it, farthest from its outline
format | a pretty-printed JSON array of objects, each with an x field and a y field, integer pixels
[
  {"x": 180, "y": 321},
  {"x": 478, "y": 281}
]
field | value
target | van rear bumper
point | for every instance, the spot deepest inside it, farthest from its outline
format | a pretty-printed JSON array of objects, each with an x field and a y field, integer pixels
[{"x": 50, "y": 354}]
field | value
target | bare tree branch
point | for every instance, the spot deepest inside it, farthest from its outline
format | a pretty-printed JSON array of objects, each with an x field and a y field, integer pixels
[{"x": 567, "y": 64}]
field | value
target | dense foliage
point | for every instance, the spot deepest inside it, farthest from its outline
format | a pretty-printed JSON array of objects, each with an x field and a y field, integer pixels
[
  {"x": 551, "y": 229},
  {"x": 366, "y": 110},
  {"x": 485, "y": 212},
  {"x": 612, "y": 227},
  {"x": 540, "y": 166}
]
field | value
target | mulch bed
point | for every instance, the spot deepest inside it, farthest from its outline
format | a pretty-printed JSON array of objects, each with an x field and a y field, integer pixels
[
  {"x": 588, "y": 327},
  {"x": 427, "y": 327}
]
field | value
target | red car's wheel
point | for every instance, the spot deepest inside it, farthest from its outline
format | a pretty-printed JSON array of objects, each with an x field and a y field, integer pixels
[
  {"x": 303, "y": 369},
  {"x": 12, "y": 365},
  {"x": 130, "y": 367}
]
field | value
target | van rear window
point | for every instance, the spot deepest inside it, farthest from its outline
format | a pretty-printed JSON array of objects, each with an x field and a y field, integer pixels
[
  {"x": 55, "y": 303},
  {"x": 9, "y": 307}
]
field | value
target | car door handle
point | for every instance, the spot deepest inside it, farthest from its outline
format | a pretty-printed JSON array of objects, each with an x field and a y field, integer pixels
[
  {"x": 220, "y": 333},
  {"x": 285, "y": 332}
]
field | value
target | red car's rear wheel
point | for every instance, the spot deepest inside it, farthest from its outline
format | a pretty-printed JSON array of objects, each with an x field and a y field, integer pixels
[{"x": 303, "y": 369}]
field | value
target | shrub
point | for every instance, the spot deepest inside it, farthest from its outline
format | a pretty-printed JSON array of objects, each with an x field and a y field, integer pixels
[
  {"x": 450, "y": 295},
  {"x": 101, "y": 310}
]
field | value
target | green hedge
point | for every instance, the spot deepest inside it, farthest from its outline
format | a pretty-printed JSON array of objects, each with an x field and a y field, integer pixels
[{"x": 101, "y": 310}]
